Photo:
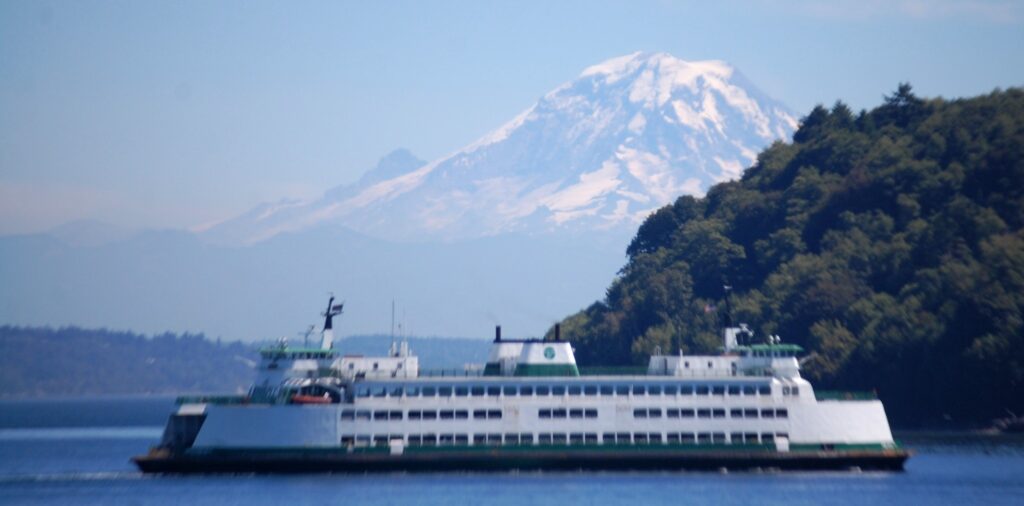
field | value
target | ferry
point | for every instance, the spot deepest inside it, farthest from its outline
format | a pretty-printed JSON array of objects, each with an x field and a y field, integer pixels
[{"x": 314, "y": 409}]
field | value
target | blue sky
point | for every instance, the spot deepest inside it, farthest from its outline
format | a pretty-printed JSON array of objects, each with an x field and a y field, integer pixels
[{"x": 175, "y": 114}]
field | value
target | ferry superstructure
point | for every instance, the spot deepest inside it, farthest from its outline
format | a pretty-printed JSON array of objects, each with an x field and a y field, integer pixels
[{"x": 314, "y": 409}]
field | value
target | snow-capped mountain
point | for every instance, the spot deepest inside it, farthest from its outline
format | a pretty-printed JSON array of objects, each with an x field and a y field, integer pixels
[{"x": 627, "y": 136}]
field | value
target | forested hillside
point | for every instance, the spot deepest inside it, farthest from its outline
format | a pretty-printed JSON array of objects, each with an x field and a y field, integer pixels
[{"x": 888, "y": 243}]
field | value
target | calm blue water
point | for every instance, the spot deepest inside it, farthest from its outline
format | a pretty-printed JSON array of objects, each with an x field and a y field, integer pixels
[{"x": 76, "y": 452}]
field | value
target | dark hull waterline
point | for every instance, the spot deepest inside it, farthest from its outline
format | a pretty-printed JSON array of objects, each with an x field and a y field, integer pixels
[{"x": 496, "y": 461}]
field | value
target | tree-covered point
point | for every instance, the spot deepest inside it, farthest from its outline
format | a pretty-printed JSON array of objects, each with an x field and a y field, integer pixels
[{"x": 888, "y": 243}]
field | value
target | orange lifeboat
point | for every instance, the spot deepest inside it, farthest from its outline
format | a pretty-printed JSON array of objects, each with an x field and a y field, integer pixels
[{"x": 311, "y": 399}]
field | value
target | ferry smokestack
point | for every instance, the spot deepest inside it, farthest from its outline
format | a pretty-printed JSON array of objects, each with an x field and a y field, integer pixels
[
  {"x": 497, "y": 333},
  {"x": 558, "y": 332}
]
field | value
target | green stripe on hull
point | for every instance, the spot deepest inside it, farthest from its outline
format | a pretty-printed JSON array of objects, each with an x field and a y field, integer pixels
[
  {"x": 536, "y": 370},
  {"x": 492, "y": 369}
]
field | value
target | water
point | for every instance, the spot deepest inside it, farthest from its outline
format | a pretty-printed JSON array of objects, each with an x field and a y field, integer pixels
[{"x": 76, "y": 452}]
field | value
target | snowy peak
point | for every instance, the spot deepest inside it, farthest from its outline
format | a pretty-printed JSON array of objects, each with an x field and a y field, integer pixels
[{"x": 599, "y": 152}]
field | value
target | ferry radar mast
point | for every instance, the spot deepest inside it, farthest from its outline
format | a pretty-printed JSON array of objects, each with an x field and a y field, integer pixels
[{"x": 327, "y": 336}]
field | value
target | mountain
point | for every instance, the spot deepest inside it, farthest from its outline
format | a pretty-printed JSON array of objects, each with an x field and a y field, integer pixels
[
  {"x": 889, "y": 244},
  {"x": 519, "y": 229},
  {"x": 626, "y": 137}
]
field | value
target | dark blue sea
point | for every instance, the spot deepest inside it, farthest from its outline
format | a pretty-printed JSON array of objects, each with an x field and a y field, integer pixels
[{"x": 76, "y": 452}]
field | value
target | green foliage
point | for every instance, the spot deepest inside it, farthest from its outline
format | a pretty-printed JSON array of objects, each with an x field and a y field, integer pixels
[{"x": 890, "y": 244}]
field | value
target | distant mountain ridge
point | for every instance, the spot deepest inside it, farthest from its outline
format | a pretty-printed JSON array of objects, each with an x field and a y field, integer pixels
[{"x": 604, "y": 150}]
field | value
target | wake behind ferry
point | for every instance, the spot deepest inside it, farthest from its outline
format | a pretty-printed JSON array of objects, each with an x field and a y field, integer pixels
[{"x": 529, "y": 408}]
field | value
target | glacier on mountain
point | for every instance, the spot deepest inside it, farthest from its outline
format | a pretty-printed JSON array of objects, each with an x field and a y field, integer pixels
[{"x": 602, "y": 151}]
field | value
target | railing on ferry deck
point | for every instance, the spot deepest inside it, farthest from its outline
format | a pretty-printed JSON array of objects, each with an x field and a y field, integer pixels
[{"x": 451, "y": 373}]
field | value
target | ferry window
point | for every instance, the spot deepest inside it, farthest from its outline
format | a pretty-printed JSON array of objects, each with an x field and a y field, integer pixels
[
  {"x": 672, "y": 437},
  {"x": 461, "y": 391},
  {"x": 461, "y": 439},
  {"x": 511, "y": 439},
  {"x": 590, "y": 390},
  {"x": 750, "y": 413},
  {"x": 558, "y": 413},
  {"x": 686, "y": 389},
  {"x": 347, "y": 440},
  {"x": 654, "y": 390},
  {"x": 447, "y": 414},
  {"x": 479, "y": 414},
  {"x": 479, "y": 439},
  {"x": 395, "y": 391},
  {"x": 622, "y": 390},
  {"x": 734, "y": 389},
  {"x": 544, "y": 413},
  {"x": 558, "y": 390},
  {"x": 429, "y": 439},
  {"x": 624, "y": 437},
  {"x": 750, "y": 437},
  {"x": 767, "y": 438},
  {"x": 749, "y": 390},
  {"x": 709, "y": 364},
  {"x": 415, "y": 415},
  {"x": 785, "y": 390},
  {"x": 672, "y": 413},
  {"x": 477, "y": 391},
  {"x": 525, "y": 390},
  {"x": 704, "y": 437},
  {"x": 395, "y": 415},
  {"x": 526, "y": 439},
  {"x": 718, "y": 437},
  {"x": 590, "y": 438},
  {"x": 494, "y": 439},
  {"x": 686, "y": 364},
  {"x": 608, "y": 438},
  {"x": 782, "y": 435},
  {"x": 494, "y": 414},
  {"x": 380, "y": 440},
  {"x": 781, "y": 413},
  {"x": 736, "y": 438},
  {"x": 687, "y": 438},
  {"x": 363, "y": 439},
  {"x": 718, "y": 413},
  {"x": 640, "y": 413},
  {"x": 590, "y": 413},
  {"x": 510, "y": 391},
  {"x": 795, "y": 391},
  {"x": 575, "y": 390},
  {"x": 411, "y": 391},
  {"x": 348, "y": 414},
  {"x": 654, "y": 437},
  {"x": 686, "y": 413},
  {"x": 703, "y": 390},
  {"x": 639, "y": 389},
  {"x": 543, "y": 390},
  {"x": 430, "y": 415},
  {"x": 703, "y": 413},
  {"x": 447, "y": 439},
  {"x": 558, "y": 439},
  {"x": 493, "y": 391},
  {"x": 362, "y": 415},
  {"x": 718, "y": 390},
  {"x": 429, "y": 391},
  {"x": 640, "y": 438},
  {"x": 375, "y": 366},
  {"x": 576, "y": 438},
  {"x": 444, "y": 391},
  {"x": 363, "y": 392},
  {"x": 767, "y": 413},
  {"x": 544, "y": 438},
  {"x": 671, "y": 389},
  {"x": 461, "y": 414},
  {"x": 736, "y": 413},
  {"x": 654, "y": 413},
  {"x": 607, "y": 390},
  {"x": 764, "y": 390},
  {"x": 575, "y": 413}
]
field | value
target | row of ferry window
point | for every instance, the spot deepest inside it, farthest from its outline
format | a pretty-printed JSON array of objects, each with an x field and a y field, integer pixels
[
  {"x": 421, "y": 414},
  {"x": 710, "y": 413},
  {"x": 570, "y": 438},
  {"x": 559, "y": 390}
]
